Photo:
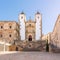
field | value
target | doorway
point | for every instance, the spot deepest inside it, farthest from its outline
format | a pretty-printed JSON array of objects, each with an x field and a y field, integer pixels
[
  {"x": 16, "y": 48},
  {"x": 30, "y": 38}
]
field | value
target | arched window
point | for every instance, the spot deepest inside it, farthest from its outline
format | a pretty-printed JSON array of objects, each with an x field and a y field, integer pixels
[
  {"x": 29, "y": 24},
  {"x": 1, "y": 27},
  {"x": 10, "y": 35},
  {"x": 21, "y": 17},
  {"x": 10, "y": 27},
  {"x": 1, "y": 35}
]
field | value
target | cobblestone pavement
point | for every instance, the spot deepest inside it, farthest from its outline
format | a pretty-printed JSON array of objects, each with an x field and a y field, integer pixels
[{"x": 30, "y": 56}]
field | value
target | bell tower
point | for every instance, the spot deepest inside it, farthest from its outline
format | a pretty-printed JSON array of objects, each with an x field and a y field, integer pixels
[
  {"x": 38, "y": 19},
  {"x": 22, "y": 19}
]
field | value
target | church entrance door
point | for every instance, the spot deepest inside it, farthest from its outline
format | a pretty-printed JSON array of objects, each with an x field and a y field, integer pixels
[{"x": 30, "y": 38}]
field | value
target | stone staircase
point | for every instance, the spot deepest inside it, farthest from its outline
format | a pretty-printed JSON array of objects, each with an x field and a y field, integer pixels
[{"x": 31, "y": 46}]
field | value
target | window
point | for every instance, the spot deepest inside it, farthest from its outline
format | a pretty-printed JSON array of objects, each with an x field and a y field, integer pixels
[
  {"x": 10, "y": 27},
  {"x": 29, "y": 24},
  {"x": 22, "y": 17},
  {"x": 1, "y": 35},
  {"x": 29, "y": 45},
  {"x": 38, "y": 17},
  {"x": 1, "y": 27},
  {"x": 10, "y": 35}
]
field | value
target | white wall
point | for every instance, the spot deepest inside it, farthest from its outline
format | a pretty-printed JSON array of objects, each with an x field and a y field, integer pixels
[
  {"x": 22, "y": 26},
  {"x": 22, "y": 31},
  {"x": 37, "y": 31}
]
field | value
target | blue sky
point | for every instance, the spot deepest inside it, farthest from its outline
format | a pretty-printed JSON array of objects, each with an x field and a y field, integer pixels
[{"x": 50, "y": 9}]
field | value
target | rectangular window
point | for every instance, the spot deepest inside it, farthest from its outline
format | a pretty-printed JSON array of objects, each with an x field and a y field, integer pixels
[{"x": 1, "y": 35}]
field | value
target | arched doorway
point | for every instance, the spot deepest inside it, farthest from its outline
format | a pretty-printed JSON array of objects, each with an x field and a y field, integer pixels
[
  {"x": 30, "y": 38},
  {"x": 16, "y": 48}
]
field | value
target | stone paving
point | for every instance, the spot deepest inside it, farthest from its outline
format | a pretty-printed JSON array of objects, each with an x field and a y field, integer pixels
[{"x": 30, "y": 56}]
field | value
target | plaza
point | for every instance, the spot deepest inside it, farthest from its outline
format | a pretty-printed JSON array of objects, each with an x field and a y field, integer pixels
[{"x": 29, "y": 56}]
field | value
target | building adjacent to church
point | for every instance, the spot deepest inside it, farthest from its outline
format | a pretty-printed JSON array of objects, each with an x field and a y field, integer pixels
[
  {"x": 54, "y": 36},
  {"x": 9, "y": 31}
]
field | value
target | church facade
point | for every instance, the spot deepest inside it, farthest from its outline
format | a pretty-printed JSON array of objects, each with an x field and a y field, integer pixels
[{"x": 30, "y": 29}]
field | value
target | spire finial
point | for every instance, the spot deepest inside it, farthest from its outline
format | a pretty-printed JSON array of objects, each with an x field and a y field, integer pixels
[
  {"x": 38, "y": 12},
  {"x": 22, "y": 12}
]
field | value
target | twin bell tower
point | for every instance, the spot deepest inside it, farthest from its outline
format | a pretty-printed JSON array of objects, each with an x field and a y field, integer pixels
[{"x": 30, "y": 30}]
